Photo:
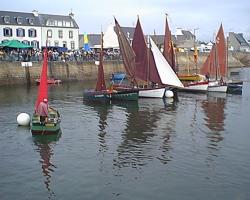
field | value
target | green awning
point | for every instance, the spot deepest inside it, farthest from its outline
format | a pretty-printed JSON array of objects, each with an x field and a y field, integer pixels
[{"x": 15, "y": 44}]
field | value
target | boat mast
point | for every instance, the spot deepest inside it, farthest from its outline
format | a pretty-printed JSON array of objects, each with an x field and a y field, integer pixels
[
  {"x": 148, "y": 58},
  {"x": 216, "y": 59},
  {"x": 195, "y": 52}
]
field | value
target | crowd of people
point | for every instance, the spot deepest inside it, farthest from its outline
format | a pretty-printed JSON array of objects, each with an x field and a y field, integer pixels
[{"x": 27, "y": 55}]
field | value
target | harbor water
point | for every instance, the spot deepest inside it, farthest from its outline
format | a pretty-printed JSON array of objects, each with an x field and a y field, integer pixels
[{"x": 197, "y": 147}]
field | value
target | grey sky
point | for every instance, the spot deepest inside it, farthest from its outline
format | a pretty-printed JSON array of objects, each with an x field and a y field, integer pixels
[{"x": 93, "y": 15}]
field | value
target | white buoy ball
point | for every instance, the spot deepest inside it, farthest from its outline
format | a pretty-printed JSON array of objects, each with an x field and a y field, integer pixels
[
  {"x": 23, "y": 119},
  {"x": 169, "y": 94}
]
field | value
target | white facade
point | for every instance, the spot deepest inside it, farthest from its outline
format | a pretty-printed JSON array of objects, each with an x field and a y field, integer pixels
[
  {"x": 62, "y": 37},
  {"x": 34, "y": 40},
  {"x": 35, "y": 29}
]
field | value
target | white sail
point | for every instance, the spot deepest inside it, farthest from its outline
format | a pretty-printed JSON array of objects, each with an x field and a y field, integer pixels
[{"x": 165, "y": 71}]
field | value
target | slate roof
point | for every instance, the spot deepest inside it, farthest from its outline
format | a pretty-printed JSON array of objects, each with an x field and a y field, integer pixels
[
  {"x": 241, "y": 39},
  {"x": 39, "y": 20},
  {"x": 45, "y": 17},
  {"x": 13, "y": 18}
]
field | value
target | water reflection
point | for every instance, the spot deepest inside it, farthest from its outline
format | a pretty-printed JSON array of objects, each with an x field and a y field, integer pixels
[
  {"x": 214, "y": 108},
  {"x": 102, "y": 110},
  {"x": 45, "y": 146},
  {"x": 138, "y": 143}
]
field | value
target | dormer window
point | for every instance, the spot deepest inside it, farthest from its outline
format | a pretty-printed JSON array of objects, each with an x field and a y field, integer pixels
[
  {"x": 19, "y": 20},
  {"x": 51, "y": 23},
  {"x": 6, "y": 19},
  {"x": 31, "y": 21}
]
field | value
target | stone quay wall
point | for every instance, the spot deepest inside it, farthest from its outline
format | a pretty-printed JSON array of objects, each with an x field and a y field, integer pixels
[{"x": 14, "y": 73}]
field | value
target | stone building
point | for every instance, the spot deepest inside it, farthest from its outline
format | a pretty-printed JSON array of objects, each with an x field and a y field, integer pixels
[{"x": 237, "y": 42}]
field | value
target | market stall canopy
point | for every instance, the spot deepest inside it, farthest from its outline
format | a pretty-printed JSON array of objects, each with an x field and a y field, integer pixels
[{"x": 15, "y": 44}]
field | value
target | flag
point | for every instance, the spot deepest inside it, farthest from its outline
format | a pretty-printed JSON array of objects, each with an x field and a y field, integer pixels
[
  {"x": 86, "y": 42},
  {"x": 195, "y": 55}
]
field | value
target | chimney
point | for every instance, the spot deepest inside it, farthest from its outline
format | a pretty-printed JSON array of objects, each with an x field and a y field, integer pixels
[
  {"x": 35, "y": 13},
  {"x": 71, "y": 14},
  {"x": 179, "y": 31}
]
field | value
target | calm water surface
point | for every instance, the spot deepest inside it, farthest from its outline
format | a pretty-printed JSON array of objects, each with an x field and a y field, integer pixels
[{"x": 195, "y": 148}]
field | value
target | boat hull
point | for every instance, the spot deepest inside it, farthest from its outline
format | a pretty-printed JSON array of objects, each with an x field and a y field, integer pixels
[
  {"x": 45, "y": 129},
  {"x": 93, "y": 95},
  {"x": 49, "y": 127},
  {"x": 198, "y": 87},
  {"x": 107, "y": 95},
  {"x": 125, "y": 95},
  {"x": 235, "y": 88},
  {"x": 50, "y": 81},
  {"x": 194, "y": 77},
  {"x": 151, "y": 92},
  {"x": 217, "y": 87}
]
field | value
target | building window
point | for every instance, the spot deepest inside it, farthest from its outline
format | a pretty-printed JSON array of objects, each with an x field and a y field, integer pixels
[
  {"x": 56, "y": 43},
  {"x": 31, "y": 21},
  {"x": 7, "y": 32},
  {"x": 49, "y": 33},
  {"x": 67, "y": 24},
  {"x": 51, "y": 23},
  {"x": 32, "y": 32},
  {"x": 71, "y": 34},
  {"x": 26, "y": 42},
  {"x": 20, "y": 32},
  {"x": 60, "y": 33},
  {"x": 19, "y": 20},
  {"x": 7, "y": 19},
  {"x": 35, "y": 44},
  {"x": 64, "y": 44},
  {"x": 72, "y": 45}
]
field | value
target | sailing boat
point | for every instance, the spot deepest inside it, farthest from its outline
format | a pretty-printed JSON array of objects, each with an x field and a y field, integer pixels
[
  {"x": 197, "y": 84},
  {"x": 215, "y": 64},
  {"x": 101, "y": 93},
  {"x": 145, "y": 65},
  {"x": 52, "y": 124}
]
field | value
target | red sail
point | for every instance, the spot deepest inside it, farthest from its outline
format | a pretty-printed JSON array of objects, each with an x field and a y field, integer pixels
[
  {"x": 168, "y": 50},
  {"x": 221, "y": 52},
  {"x": 215, "y": 64},
  {"x": 100, "y": 85},
  {"x": 209, "y": 66},
  {"x": 145, "y": 65},
  {"x": 140, "y": 48},
  {"x": 128, "y": 55},
  {"x": 43, "y": 87}
]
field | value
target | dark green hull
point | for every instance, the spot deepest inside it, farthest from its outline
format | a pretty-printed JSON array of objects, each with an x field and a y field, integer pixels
[
  {"x": 106, "y": 95},
  {"x": 50, "y": 127},
  {"x": 125, "y": 96},
  {"x": 45, "y": 129},
  {"x": 92, "y": 95}
]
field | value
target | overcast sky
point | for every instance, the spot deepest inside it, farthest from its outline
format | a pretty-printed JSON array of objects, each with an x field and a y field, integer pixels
[{"x": 94, "y": 15}]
